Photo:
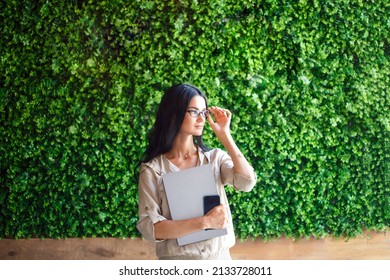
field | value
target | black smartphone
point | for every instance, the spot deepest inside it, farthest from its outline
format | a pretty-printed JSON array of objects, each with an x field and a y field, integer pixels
[{"x": 209, "y": 202}]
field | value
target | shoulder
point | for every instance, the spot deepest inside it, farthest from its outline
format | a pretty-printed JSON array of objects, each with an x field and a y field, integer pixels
[
  {"x": 216, "y": 154},
  {"x": 155, "y": 165}
]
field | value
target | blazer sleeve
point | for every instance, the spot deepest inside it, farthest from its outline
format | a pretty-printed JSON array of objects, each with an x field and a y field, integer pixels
[
  {"x": 149, "y": 203},
  {"x": 230, "y": 177}
]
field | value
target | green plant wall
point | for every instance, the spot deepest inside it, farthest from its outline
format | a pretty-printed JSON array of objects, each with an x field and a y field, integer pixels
[{"x": 307, "y": 82}]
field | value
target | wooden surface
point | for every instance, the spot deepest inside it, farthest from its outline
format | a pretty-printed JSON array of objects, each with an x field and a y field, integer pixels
[{"x": 371, "y": 246}]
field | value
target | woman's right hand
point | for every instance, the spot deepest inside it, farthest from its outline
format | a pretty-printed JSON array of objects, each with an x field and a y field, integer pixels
[{"x": 216, "y": 218}]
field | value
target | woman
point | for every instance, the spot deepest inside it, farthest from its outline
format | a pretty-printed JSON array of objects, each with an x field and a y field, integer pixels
[{"x": 176, "y": 143}]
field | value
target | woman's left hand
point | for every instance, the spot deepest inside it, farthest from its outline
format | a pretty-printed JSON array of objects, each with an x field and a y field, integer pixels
[
  {"x": 221, "y": 125},
  {"x": 221, "y": 128}
]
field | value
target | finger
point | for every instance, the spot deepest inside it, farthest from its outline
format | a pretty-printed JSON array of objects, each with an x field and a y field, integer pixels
[
  {"x": 222, "y": 209},
  {"x": 225, "y": 112},
  {"x": 211, "y": 121},
  {"x": 215, "y": 109},
  {"x": 218, "y": 112}
]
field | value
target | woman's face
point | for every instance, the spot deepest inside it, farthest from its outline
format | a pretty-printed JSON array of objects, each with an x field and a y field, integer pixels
[{"x": 194, "y": 125}]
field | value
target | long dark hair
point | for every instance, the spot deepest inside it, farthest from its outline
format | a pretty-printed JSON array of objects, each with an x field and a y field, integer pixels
[{"x": 169, "y": 118}]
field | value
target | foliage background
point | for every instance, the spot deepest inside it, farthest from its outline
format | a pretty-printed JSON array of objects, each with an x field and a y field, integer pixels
[{"x": 307, "y": 82}]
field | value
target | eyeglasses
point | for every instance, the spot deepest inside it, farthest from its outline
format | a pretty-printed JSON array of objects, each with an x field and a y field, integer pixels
[{"x": 195, "y": 113}]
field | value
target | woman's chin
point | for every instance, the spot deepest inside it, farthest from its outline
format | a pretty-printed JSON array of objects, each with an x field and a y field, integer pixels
[{"x": 200, "y": 133}]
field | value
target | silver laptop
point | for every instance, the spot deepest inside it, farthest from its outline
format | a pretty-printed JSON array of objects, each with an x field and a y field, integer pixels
[{"x": 185, "y": 191}]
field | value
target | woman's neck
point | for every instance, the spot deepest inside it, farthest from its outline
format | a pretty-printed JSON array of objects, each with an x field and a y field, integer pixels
[{"x": 182, "y": 149}]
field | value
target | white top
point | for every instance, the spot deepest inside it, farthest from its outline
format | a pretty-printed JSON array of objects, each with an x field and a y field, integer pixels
[{"x": 153, "y": 204}]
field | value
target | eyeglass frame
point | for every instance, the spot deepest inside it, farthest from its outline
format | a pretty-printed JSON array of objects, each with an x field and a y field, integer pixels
[{"x": 204, "y": 113}]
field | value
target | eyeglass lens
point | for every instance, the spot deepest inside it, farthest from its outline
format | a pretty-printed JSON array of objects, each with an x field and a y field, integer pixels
[{"x": 195, "y": 113}]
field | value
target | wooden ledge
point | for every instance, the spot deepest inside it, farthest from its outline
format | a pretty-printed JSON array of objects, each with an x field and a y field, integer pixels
[{"x": 371, "y": 246}]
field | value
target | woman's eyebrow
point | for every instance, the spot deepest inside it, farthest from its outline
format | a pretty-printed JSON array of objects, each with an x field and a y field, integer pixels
[{"x": 196, "y": 108}]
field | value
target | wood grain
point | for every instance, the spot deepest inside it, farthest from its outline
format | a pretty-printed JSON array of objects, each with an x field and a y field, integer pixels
[{"x": 371, "y": 246}]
